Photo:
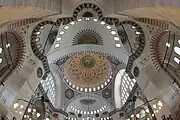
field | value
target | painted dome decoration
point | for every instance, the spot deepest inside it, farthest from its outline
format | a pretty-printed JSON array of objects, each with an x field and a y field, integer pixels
[{"x": 87, "y": 71}]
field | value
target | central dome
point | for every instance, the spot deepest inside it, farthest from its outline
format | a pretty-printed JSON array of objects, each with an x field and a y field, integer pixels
[{"x": 88, "y": 71}]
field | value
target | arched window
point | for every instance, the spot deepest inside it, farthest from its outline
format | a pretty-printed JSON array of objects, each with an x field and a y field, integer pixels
[
  {"x": 177, "y": 50},
  {"x": 142, "y": 113},
  {"x": 177, "y": 60},
  {"x": 49, "y": 87},
  {"x": 126, "y": 85},
  {"x": 179, "y": 41}
]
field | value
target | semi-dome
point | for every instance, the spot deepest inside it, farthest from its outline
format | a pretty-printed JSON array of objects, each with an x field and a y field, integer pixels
[{"x": 12, "y": 53}]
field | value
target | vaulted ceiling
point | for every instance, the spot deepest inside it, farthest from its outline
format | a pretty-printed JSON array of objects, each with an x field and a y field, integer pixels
[{"x": 94, "y": 57}]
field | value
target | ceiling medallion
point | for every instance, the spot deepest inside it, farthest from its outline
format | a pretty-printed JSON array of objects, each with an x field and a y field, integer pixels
[
  {"x": 69, "y": 93},
  {"x": 87, "y": 71},
  {"x": 88, "y": 61},
  {"x": 136, "y": 71},
  {"x": 106, "y": 93},
  {"x": 39, "y": 72}
]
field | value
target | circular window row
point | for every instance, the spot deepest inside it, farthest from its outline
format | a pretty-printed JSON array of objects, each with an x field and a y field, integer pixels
[
  {"x": 88, "y": 112},
  {"x": 91, "y": 89},
  {"x": 1, "y": 51},
  {"x": 136, "y": 32},
  {"x": 105, "y": 118},
  {"x": 39, "y": 31},
  {"x": 62, "y": 32},
  {"x": 176, "y": 50},
  {"x": 1, "y": 60},
  {"x": 135, "y": 27},
  {"x": 88, "y": 118},
  {"x": 113, "y": 33},
  {"x": 7, "y": 46}
]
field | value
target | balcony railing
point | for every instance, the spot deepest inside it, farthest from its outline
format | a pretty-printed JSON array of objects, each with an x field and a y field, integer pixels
[{"x": 2, "y": 98}]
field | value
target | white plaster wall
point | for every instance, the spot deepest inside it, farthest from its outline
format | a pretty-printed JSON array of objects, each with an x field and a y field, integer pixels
[
  {"x": 130, "y": 4},
  {"x": 54, "y": 5}
]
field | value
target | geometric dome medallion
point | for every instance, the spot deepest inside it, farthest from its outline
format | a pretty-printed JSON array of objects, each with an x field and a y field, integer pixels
[{"x": 87, "y": 71}]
